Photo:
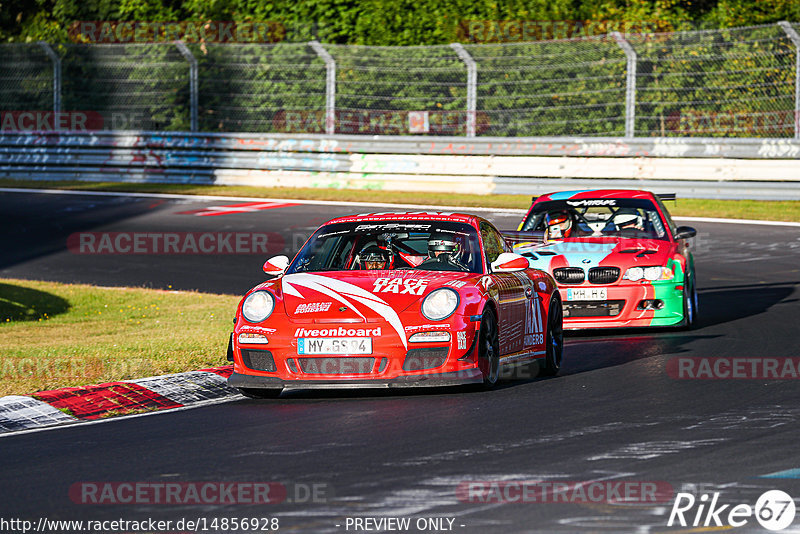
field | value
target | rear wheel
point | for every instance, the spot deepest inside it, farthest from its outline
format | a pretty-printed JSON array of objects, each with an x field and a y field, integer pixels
[
  {"x": 489, "y": 350},
  {"x": 554, "y": 344},
  {"x": 257, "y": 393}
]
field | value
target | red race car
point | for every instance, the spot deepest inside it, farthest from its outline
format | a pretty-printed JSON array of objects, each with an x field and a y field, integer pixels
[
  {"x": 617, "y": 257},
  {"x": 397, "y": 299}
]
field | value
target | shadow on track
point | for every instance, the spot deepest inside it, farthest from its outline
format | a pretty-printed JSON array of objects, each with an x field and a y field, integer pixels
[
  {"x": 24, "y": 304},
  {"x": 723, "y": 304}
]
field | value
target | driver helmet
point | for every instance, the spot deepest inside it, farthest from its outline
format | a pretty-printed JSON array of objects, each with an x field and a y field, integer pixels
[
  {"x": 559, "y": 223},
  {"x": 627, "y": 218},
  {"x": 440, "y": 242},
  {"x": 373, "y": 258}
]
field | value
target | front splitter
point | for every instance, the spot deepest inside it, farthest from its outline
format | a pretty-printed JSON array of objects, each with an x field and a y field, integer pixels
[{"x": 469, "y": 376}]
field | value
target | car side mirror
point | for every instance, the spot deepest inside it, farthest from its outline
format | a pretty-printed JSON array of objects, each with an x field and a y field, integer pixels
[
  {"x": 685, "y": 232},
  {"x": 508, "y": 262},
  {"x": 276, "y": 265}
]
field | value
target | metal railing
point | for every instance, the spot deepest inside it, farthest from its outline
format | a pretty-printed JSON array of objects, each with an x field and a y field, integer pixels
[
  {"x": 699, "y": 167},
  {"x": 740, "y": 82}
]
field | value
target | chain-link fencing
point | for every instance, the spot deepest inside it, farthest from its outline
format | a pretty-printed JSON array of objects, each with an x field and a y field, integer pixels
[{"x": 740, "y": 82}]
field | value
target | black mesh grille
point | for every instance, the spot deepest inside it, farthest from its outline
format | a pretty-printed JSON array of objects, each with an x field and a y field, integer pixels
[
  {"x": 259, "y": 360},
  {"x": 569, "y": 275},
  {"x": 336, "y": 366},
  {"x": 603, "y": 275},
  {"x": 419, "y": 359},
  {"x": 593, "y": 308}
]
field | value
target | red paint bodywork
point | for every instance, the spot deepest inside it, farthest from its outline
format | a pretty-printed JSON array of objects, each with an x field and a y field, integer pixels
[
  {"x": 302, "y": 306},
  {"x": 674, "y": 251}
]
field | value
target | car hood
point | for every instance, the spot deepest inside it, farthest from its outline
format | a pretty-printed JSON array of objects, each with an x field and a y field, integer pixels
[{"x": 600, "y": 252}]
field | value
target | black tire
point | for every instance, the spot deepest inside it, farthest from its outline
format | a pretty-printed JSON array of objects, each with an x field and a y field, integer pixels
[
  {"x": 256, "y": 393},
  {"x": 489, "y": 350},
  {"x": 554, "y": 343},
  {"x": 689, "y": 306}
]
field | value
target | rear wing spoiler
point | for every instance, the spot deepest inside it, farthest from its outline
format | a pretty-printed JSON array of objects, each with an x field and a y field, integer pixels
[
  {"x": 517, "y": 237},
  {"x": 666, "y": 196}
]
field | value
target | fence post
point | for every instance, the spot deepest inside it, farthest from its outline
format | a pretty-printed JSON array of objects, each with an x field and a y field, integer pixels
[
  {"x": 630, "y": 85},
  {"x": 472, "y": 86},
  {"x": 792, "y": 34},
  {"x": 56, "y": 75},
  {"x": 187, "y": 54},
  {"x": 330, "y": 86}
]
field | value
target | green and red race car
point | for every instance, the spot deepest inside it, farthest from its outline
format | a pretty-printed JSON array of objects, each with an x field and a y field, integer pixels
[{"x": 617, "y": 256}]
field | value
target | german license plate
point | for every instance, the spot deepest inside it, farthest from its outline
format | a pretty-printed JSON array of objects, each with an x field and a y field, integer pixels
[
  {"x": 334, "y": 345},
  {"x": 587, "y": 293}
]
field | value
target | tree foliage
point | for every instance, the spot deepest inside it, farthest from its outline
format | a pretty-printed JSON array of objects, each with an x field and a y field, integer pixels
[{"x": 382, "y": 22}]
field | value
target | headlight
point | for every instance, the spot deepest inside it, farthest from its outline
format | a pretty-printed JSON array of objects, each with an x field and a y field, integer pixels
[
  {"x": 440, "y": 304},
  {"x": 258, "y": 306},
  {"x": 657, "y": 273},
  {"x": 649, "y": 273},
  {"x": 634, "y": 273}
]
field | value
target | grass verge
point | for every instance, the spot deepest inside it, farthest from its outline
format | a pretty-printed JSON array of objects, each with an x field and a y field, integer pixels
[
  {"x": 57, "y": 335},
  {"x": 786, "y": 210}
]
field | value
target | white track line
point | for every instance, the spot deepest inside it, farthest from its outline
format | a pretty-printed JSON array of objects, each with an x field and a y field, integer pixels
[{"x": 510, "y": 211}]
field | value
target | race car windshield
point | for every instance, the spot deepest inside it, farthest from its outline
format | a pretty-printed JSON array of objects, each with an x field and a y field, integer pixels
[
  {"x": 397, "y": 245},
  {"x": 601, "y": 217}
]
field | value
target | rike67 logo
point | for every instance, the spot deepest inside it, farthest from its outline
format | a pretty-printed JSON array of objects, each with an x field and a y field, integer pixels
[{"x": 774, "y": 510}]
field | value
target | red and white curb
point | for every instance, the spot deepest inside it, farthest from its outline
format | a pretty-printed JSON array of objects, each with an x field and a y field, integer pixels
[{"x": 89, "y": 403}]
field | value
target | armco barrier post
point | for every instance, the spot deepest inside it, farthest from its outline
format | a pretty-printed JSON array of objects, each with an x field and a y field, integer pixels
[
  {"x": 187, "y": 54},
  {"x": 330, "y": 86},
  {"x": 630, "y": 85},
  {"x": 472, "y": 86},
  {"x": 792, "y": 34},
  {"x": 56, "y": 75}
]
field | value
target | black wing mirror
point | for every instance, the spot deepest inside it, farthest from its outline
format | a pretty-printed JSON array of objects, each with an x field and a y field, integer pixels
[{"x": 685, "y": 232}]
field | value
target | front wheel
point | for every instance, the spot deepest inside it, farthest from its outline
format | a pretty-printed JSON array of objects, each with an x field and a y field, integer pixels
[
  {"x": 489, "y": 350},
  {"x": 554, "y": 346},
  {"x": 689, "y": 307},
  {"x": 257, "y": 393}
]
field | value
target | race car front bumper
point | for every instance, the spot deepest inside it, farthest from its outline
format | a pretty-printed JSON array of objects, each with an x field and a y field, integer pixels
[
  {"x": 466, "y": 376},
  {"x": 622, "y": 307}
]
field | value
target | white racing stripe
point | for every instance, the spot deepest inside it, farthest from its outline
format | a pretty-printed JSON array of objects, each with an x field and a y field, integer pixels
[{"x": 340, "y": 290}]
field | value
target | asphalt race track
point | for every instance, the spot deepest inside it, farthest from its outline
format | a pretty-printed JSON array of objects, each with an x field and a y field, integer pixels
[{"x": 614, "y": 414}]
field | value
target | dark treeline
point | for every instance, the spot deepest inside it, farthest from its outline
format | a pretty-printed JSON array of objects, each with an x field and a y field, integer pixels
[{"x": 394, "y": 22}]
